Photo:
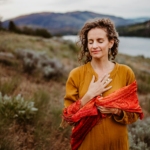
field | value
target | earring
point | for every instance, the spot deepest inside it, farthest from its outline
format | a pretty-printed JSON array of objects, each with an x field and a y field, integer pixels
[
  {"x": 86, "y": 50},
  {"x": 109, "y": 52}
]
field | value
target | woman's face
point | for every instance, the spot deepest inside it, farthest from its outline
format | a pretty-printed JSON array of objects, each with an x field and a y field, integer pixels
[{"x": 98, "y": 43}]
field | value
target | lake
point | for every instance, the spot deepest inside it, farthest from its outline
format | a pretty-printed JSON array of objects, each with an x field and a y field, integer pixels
[{"x": 128, "y": 45}]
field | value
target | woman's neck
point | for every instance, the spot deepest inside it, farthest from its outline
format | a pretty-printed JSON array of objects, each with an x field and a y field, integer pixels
[
  {"x": 100, "y": 64},
  {"x": 102, "y": 67}
]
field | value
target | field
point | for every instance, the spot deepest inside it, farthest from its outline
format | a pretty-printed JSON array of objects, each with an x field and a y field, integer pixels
[{"x": 37, "y": 68}]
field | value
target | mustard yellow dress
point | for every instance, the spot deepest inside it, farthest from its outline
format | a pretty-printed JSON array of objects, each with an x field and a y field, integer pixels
[{"x": 111, "y": 132}]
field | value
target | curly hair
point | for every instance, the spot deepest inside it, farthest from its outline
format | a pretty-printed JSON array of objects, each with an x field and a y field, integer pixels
[{"x": 105, "y": 24}]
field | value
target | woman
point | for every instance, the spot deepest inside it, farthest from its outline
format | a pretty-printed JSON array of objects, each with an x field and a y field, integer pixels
[{"x": 103, "y": 128}]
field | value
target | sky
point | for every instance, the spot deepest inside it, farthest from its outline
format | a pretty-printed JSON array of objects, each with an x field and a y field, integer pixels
[{"x": 122, "y": 8}]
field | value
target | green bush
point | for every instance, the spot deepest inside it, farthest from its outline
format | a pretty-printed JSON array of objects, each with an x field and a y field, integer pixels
[
  {"x": 47, "y": 133},
  {"x": 143, "y": 79},
  {"x": 16, "y": 108},
  {"x": 39, "y": 61},
  {"x": 42, "y": 32},
  {"x": 139, "y": 135}
]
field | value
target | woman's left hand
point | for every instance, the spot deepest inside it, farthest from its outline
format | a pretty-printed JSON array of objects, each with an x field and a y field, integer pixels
[{"x": 105, "y": 110}]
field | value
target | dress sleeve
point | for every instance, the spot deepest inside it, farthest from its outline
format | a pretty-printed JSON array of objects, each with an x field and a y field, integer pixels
[
  {"x": 71, "y": 99},
  {"x": 72, "y": 94},
  {"x": 128, "y": 117}
]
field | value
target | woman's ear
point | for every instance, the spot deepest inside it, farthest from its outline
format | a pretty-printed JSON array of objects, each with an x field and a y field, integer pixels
[{"x": 111, "y": 43}]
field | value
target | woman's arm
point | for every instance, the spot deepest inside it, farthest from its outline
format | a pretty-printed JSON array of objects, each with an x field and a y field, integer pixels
[
  {"x": 120, "y": 115},
  {"x": 126, "y": 117},
  {"x": 72, "y": 87}
]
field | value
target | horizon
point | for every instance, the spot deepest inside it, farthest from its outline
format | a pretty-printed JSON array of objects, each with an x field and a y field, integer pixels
[
  {"x": 126, "y": 9},
  {"x": 22, "y": 15}
]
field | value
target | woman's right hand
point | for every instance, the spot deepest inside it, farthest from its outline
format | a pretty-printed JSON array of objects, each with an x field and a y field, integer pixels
[{"x": 96, "y": 88}]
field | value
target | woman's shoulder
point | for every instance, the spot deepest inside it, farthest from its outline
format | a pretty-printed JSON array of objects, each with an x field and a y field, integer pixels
[
  {"x": 126, "y": 73},
  {"x": 124, "y": 68},
  {"x": 80, "y": 69}
]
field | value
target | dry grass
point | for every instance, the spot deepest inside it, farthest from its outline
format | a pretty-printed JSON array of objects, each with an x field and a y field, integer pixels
[
  {"x": 54, "y": 47},
  {"x": 43, "y": 133}
]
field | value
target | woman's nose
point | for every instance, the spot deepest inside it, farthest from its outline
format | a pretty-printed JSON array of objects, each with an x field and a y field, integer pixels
[{"x": 95, "y": 45}]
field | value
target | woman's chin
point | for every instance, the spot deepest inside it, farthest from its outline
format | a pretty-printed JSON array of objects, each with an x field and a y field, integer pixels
[{"x": 97, "y": 56}]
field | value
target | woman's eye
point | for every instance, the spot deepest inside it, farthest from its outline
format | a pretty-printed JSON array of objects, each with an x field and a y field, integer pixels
[
  {"x": 100, "y": 41},
  {"x": 90, "y": 42}
]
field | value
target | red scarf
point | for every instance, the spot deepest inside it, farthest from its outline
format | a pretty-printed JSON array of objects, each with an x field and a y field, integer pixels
[{"x": 86, "y": 118}]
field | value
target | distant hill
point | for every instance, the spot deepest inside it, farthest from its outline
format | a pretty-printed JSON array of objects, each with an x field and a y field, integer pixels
[
  {"x": 63, "y": 23},
  {"x": 140, "y": 19},
  {"x": 139, "y": 30}
]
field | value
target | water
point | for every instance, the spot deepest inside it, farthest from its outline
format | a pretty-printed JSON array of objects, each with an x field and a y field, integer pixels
[{"x": 133, "y": 46}]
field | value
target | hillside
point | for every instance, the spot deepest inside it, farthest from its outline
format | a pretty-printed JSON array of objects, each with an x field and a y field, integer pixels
[
  {"x": 37, "y": 68},
  {"x": 64, "y": 23},
  {"x": 20, "y": 73},
  {"x": 138, "y": 30}
]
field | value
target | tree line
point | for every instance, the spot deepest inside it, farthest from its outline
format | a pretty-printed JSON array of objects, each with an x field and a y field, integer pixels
[
  {"x": 12, "y": 27},
  {"x": 138, "y": 30}
]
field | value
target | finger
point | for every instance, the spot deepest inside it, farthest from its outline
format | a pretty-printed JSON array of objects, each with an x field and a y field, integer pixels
[
  {"x": 100, "y": 98},
  {"x": 107, "y": 82},
  {"x": 104, "y": 111},
  {"x": 93, "y": 79},
  {"x": 100, "y": 108},
  {"x": 104, "y": 77},
  {"x": 106, "y": 89}
]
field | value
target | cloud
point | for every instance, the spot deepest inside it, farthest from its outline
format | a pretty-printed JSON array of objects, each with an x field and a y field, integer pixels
[{"x": 123, "y": 8}]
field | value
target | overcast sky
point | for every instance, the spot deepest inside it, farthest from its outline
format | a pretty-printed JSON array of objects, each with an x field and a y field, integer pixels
[{"x": 122, "y": 8}]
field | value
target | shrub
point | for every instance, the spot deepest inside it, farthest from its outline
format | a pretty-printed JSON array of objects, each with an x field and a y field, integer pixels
[
  {"x": 148, "y": 104},
  {"x": 143, "y": 87},
  {"x": 33, "y": 60},
  {"x": 73, "y": 47},
  {"x": 143, "y": 79},
  {"x": 7, "y": 59},
  {"x": 16, "y": 108},
  {"x": 42, "y": 32},
  {"x": 139, "y": 135},
  {"x": 145, "y": 104},
  {"x": 5, "y": 145},
  {"x": 47, "y": 133}
]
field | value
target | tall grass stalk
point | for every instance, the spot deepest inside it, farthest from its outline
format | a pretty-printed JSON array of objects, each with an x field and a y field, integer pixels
[{"x": 9, "y": 86}]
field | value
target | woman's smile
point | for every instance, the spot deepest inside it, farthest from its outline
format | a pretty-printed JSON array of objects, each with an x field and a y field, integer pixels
[{"x": 95, "y": 51}]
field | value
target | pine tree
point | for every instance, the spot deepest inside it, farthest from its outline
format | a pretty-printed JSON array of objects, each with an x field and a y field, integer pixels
[
  {"x": 1, "y": 23},
  {"x": 12, "y": 26}
]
